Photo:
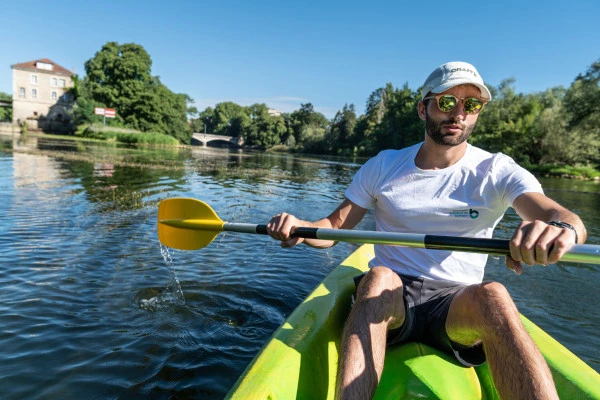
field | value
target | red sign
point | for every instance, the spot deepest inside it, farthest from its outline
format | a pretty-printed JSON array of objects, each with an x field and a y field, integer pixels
[{"x": 107, "y": 112}]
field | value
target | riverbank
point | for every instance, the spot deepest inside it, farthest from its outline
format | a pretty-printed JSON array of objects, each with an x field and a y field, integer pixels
[
  {"x": 565, "y": 171},
  {"x": 135, "y": 138}
]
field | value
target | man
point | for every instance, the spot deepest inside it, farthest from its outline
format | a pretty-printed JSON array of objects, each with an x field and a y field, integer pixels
[{"x": 444, "y": 186}]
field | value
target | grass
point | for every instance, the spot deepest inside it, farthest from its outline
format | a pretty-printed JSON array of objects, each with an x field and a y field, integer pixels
[
  {"x": 123, "y": 135},
  {"x": 124, "y": 200},
  {"x": 566, "y": 171}
]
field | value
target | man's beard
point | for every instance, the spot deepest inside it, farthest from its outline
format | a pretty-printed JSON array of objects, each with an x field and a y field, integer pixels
[{"x": 434, "y": 131}]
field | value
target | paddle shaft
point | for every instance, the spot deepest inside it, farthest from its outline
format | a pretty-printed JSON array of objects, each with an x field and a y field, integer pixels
[
  {"x": 500, "y": 247},
  {"x": 190, "y": 224}
]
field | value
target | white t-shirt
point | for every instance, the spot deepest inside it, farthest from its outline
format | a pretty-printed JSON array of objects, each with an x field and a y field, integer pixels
[{"x": 466, "y": 199}]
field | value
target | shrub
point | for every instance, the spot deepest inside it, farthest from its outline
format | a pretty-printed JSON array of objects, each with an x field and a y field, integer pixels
[{"x": 124, "y": 135}]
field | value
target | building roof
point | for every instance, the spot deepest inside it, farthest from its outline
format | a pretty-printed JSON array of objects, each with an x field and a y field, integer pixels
[{"x": 33, "y": 65}]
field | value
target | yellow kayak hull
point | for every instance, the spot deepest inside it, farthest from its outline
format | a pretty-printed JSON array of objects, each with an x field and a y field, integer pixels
[{"x": 300, "y": 361}]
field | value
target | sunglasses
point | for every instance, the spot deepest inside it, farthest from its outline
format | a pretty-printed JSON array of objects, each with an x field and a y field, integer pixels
[{"x": 448, "y": 102}]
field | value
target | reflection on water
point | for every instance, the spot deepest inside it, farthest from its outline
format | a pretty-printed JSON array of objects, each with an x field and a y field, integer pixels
[{"x": 88, "y": 295}]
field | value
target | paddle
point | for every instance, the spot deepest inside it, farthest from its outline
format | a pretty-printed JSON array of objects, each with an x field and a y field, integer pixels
[{"x": 190, "y": 224}]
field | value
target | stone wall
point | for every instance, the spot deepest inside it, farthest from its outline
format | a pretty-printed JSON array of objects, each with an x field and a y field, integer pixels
[{"x": 8, "y": 128}]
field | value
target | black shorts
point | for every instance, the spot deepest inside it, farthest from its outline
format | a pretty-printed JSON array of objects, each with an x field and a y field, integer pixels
[{"x": 427, "y": 302}]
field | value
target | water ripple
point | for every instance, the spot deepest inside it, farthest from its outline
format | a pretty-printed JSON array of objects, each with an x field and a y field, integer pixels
[{"x": 93, "y": 307}]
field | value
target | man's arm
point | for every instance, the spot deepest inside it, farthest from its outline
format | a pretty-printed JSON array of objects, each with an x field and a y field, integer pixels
[
  {"x": 534, "y": 241},
  {"x": 346, "y": 216}
]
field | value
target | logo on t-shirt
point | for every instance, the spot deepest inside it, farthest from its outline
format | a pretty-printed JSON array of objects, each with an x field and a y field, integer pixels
[{"x": 470, "y": 213}]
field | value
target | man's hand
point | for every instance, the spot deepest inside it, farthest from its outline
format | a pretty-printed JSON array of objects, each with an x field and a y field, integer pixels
[
  {"x": 538, "y": 243},
  {"x": 282, "y": 226},
  {"x": 346, "y": 216}
]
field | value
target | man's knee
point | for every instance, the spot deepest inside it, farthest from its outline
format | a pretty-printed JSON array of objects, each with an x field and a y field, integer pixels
[
  {"x": 379, "y": 295},
  {"x": 492, "y": 292},
  {"x": 481, "y": 311},
  {"x": 378, "y": 281},
  {"x": 494, "y": 304}
]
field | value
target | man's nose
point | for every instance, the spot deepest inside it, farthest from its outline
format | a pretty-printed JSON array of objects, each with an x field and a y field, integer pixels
[{"x": 459, "y": 113}]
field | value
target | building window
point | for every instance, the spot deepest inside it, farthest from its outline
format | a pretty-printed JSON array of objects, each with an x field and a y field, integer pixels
[
  {"x": 61, "y": 83},
  {"x": 34, "y": 79},
  {"x": 21, "y": 92},
  {"x": 54, "y": 96},
  {"x": 34, "y": 93},
  {"x": 54, "y": 82},
  {"x": 43, "y": 65}
]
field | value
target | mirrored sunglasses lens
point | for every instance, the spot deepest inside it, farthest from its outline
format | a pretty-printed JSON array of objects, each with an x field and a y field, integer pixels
[
  {"x": 473, "y": 105},
  {"x": 447, "y": 103}
]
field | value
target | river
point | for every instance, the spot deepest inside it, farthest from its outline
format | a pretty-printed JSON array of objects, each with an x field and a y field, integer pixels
[{"x": 92, "y": 307}]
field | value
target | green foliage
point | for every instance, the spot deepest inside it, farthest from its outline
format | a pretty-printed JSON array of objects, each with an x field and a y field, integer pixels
[
  {"x": 582, "y": 102},
  {"x": 262, "y": 129},
  {"x": 315, "y": 140},
  {"x": 305, "y": 117},
  {"x": 83, "y": 111},
  {"x": 124, "y": 135},
  {"x": 390, "y": 121},
  {"x": 119, "y": 77},
  {"x": 5, "y": 112},
  {"x": 205, "y": 122},
  {"x": 229, "y": 119},
  {"x": 340, "y": 136},
  {"x": 508, "y": 124},
  {"x": 555, "y": 132},
  {"x": 565, "y": 171}
]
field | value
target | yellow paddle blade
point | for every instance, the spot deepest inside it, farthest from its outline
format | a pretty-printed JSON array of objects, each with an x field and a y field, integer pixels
[{"x": 187, "y": 224}]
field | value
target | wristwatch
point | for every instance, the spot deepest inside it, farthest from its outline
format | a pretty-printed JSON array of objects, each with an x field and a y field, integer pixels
[{"x": 561, "y": 224}]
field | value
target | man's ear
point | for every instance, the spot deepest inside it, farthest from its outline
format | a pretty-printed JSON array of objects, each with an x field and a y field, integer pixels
[{"x": 421, "y": 110}]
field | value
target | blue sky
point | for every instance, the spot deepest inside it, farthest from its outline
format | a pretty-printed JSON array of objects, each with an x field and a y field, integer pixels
[{"x": 328, "y": 53}]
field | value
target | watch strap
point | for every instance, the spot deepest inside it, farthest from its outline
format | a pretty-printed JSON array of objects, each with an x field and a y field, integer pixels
[{"x": 564, "y": 225}]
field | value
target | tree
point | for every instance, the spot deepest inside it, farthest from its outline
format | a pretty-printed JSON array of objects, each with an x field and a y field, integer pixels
[
  {"x": 194, "y": 121},
  {"x": 208, "y": 119},
  {"x": 119, "y": 76},
  {"x": 262, "y": 129},
  {"x": 509, "y": 124},
  {"x": 5, "y": 112},
  {"x": 375, "y": 109},
  {"x": 582, "y": 103},
  {"x": 173, "y": 109},
  {"x": 304, "y": 118},
  {"x": 340, "y": 136},
  {"x": 400, "y": 125},
  {"x": 229, "y": 119}
]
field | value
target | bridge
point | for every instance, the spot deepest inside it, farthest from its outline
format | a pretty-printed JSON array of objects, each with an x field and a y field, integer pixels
[{"x": 205, "y": 138}]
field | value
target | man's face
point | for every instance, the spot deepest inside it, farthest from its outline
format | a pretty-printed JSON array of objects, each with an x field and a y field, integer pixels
[{"x": 454, "y": 127}]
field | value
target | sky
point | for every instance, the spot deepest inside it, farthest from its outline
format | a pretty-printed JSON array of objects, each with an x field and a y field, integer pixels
[{"x": 328, "y": 53}]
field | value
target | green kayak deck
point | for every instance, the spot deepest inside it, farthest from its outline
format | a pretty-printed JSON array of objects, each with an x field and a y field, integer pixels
[{"x": 300, "y": 360}]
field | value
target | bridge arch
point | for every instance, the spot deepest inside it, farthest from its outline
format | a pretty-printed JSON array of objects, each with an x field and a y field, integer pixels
[{"x": 205, "y": 138}]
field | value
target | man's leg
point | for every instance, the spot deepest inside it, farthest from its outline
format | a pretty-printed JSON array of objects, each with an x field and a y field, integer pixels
[
  {"x": 487, "y": 312},
  {"x": 378, "y": 307}
]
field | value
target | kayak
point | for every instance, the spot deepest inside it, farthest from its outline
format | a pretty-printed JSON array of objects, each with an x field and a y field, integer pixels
[{"x": 300, "y": 360}]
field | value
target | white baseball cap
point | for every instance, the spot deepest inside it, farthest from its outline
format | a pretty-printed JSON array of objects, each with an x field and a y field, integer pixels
[{"x": 452, "y": 74}]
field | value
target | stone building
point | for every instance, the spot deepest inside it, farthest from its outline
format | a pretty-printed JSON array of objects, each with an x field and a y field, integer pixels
[{"x": 40, "y": 96}]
